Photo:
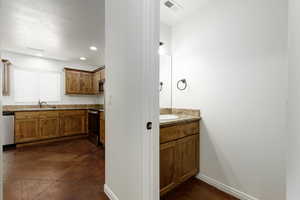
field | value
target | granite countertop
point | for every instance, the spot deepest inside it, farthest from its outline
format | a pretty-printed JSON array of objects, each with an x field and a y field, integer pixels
[
  {"x": 51, "y": 109},
  {"x": 181, "y": 119}
]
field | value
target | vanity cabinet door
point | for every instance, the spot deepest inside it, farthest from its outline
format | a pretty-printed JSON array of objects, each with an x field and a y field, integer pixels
[
  {"x": 187, "y": 156},
  {"x": 26, "y": 130},
  {"x": 167, "y": 167}
]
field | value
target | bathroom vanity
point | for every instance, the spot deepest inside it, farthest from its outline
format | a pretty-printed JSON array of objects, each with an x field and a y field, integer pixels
[{"x": 179, "y": 147}]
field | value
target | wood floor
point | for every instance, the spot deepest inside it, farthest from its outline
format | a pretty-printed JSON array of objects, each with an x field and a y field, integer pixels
[
  {"x": 74, "y": 170},
  {"x": 196, "y": 190},
  {"x": 69, "y": 170}
]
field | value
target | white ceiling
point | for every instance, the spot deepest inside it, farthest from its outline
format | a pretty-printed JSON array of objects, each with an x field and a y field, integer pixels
[
  {"x": 63, "y": 29},
  {"x": 171, "y": 18}
]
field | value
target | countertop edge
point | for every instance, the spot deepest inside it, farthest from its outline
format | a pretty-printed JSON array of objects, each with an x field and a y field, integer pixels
[
  {"x": 179, "y": 121},
  {"x": 54, "y": 109}
]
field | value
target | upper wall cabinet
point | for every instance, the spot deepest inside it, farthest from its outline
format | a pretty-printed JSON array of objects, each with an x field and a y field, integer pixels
[
  {"x": 86, "y": 83},
  {"x": 72, "y": 81},
  {"x": 83, "y": 82}
]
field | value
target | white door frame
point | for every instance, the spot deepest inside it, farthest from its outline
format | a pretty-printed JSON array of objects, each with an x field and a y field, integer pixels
[{"x": 132, "y": 41}]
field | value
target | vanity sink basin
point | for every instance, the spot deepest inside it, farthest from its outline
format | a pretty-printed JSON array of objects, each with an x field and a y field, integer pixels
[{"x": 167, "y": 117}]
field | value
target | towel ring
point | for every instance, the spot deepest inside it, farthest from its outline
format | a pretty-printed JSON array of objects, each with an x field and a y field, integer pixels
[
  {"x": 183, "y": 81},
  {"x": 161, "y": 86}
]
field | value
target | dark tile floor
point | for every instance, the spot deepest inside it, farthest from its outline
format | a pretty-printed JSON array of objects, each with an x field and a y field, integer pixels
[
  {"x": 74, "y": 170},
  {"x": 69, "y": 170}
]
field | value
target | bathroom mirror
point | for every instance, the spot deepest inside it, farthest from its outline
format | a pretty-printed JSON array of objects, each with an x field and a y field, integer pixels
[{"x": 165, "y": 77}]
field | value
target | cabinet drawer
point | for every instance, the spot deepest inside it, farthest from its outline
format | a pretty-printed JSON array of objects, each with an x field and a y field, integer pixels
[
  {"x": 73, "y": 112},
  {"x": 170, "y": 133},
  {"x": 178, "y": 131},
  {"x": 48, "y": 114},
  {"x": 26, "y": 115},
  {"x": 190, "y": 128}
]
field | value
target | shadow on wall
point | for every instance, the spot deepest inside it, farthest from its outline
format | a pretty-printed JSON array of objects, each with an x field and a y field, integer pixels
[{"x": 210, "y": 153}]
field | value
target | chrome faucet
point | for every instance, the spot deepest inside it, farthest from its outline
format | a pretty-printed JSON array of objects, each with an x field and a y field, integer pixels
[{"x": 41, "y": 103}]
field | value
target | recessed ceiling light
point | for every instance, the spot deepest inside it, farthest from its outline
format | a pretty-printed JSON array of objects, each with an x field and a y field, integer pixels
[
  {"x": 39, "y": 54},
  {"x": 82, "y": 58},
  {"x": 93, "y": 48}
]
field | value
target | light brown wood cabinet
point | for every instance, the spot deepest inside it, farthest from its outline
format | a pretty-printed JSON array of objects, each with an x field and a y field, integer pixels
[
  {"x": 179, "y": 154},
  {"x": 73, "y": 122},
  {"x": 102, "y": 128},
  {"x": 82, "y": 82},
  {"x": 167, "y": 166},
  {"x": 34, "y": 126},
  {"x": 72, "y": 82},
  {"x": 49, "y": 127},
  {"x": 96, "y": 80},
  {"x": 187, "y": 157},
  {"x": 26, "y": 130},
  {"x": 86, "y": 83}
]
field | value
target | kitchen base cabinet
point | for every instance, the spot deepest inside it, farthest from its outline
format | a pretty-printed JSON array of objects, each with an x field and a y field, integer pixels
[
  {"x": 102, "y": 128},
  {"x": 72, "y": 123},
  {"x": 26, "y": 130},
  {"x": 49, "y": 124},
  {"x": 41, "y": 125},
  {"x": 49, "y": 127},
  {"x": 179, "y": 156}
]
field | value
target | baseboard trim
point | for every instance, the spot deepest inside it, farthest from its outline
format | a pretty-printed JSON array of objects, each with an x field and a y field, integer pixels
[
  {"x": 225, "y": 188},
  {"x": 110, "y": 193}
]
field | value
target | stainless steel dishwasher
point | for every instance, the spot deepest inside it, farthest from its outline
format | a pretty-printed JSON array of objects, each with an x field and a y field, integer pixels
[{"x": 8, "y": 128}]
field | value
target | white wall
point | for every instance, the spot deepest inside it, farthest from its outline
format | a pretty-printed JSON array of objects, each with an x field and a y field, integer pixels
[
  {"x": 293, "y": 163},
  {"x": 233, "y": 55},
  {"x": 2, "y": 134},
  {"x": 165, "y": 66},
  {"x": 165, "y": 37},
  {"x": 165, "y": 76},
  {"x": 36, "y": 63},
  {"x": 132, "y": 78}
]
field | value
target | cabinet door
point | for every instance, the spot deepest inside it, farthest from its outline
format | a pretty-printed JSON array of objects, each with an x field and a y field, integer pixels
[
  {"x": 102, "y": 74},
  {"x": 86, "y": 83},
  {"x": 72, "y": 82},
  {"x": 187, "y": 157},
  {"x": 96, "y": 82},
  {"x": 26, "y": 130},
  {"x": 102, "y": 131},
  {"x": 72, "y": 123},
  {"x": 167, "y": 167},
  {"x": 49, "y": 127}
]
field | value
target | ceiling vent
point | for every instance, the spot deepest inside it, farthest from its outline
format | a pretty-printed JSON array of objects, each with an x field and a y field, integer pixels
[{"x": 171, "y": 4}]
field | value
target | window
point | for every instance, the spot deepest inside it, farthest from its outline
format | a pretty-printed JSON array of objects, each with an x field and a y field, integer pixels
[{"x": 30, "y": 86}]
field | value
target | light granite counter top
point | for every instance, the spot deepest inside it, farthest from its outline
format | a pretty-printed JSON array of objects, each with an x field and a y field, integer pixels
[
  {"x": 50, "y": 109},
  {"x": 180, "y": 120},
  {"x": 28, "y": 108}
]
